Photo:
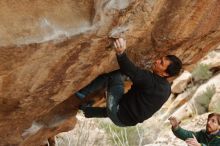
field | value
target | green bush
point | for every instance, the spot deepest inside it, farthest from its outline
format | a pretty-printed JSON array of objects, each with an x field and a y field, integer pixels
[
  {"x": 205, "y": 98},
  {"x": 201, "y": 72},
  {"x": 129, "y": 136}
]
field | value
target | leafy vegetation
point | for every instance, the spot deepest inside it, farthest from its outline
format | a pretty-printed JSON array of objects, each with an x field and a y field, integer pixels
[
  {"x": 201, "y": 72},
  {"x": 205, "y": 97},
  {"x": 128, "y": 136}
]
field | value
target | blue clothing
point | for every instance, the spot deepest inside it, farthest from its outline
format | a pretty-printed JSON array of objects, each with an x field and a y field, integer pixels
[{"x": 115, "y": 90}]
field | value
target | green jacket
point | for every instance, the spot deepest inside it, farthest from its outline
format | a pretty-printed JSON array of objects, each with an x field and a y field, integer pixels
[{"x": 202, "y": 137}]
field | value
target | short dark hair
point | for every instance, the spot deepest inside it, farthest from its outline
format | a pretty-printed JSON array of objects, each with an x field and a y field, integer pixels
[
  {"x": 215, "y": 115},
  {"x": 175, "y": 66}
]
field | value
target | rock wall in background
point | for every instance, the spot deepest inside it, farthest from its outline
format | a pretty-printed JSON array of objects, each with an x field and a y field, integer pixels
[{"x": 50, "y": 49}]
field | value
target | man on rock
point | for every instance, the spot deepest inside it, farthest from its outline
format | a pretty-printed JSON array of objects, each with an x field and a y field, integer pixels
[
  {"x": 208, "y": 137},
  {"x": 149, "y": 90}
]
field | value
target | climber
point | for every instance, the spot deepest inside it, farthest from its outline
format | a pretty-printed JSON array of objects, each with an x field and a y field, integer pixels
[
  {"x": 210, "y": 136},
  {"x": 147, "y": 94}
]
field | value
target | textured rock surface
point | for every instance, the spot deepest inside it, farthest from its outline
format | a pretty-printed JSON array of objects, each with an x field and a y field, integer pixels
[
  {"x": 212, "y": 59},
  {"x": 180, "y": 83},
  {"x": 50, "y": 49},
  {"x": 180, "y": 100},
  {"x": 215, "y": 102},
  {"x": 200, "y": 101}
]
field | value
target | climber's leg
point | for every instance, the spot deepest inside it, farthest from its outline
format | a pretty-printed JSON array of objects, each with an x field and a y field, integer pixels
[
  {"x": 114, "y": 93},
  {"x": 95, "y": 85}
]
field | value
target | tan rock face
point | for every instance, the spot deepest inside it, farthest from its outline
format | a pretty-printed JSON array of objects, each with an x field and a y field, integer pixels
[
  {"x": 212, "y": 59},
  {"x": 180, "y": 83},
  {"x": 37, "y": 21},
  {"x": 50, "y": 49}
]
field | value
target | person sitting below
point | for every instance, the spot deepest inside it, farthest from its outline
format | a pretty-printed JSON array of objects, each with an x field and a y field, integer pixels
[{"x": 208, "y": 137}]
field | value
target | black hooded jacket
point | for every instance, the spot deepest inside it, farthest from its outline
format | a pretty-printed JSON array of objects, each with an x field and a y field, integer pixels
[{"x": 148, "y": 93}]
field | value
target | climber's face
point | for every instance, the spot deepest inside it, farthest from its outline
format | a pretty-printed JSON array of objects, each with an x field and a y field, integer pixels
[
  {"x": 212, "y": 125},
  {"x": 160, "y": 65}
]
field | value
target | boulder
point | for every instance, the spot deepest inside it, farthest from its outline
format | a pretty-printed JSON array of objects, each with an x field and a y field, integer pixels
[
  {"x": 204, "y": 94},
  {"x": 214, "y": 105},
  {"x": 201, "y": 99},
  {"x": 51, "y": 49},
  {"x": 212, "y": 59},
  {"x": 179, "y": 101},
  {"x": 180, "y": 83}
]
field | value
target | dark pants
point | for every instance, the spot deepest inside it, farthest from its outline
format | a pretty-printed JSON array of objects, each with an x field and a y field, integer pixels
[{"x": 115, "y": 90}]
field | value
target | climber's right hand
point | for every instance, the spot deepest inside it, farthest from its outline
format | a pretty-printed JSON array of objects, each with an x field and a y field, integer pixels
[{"x": 120, "y": 46}]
